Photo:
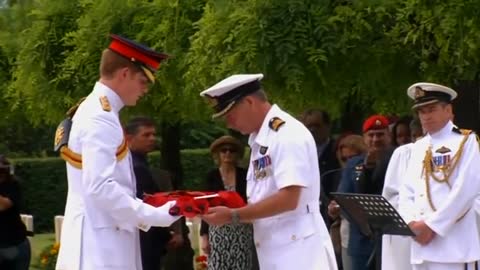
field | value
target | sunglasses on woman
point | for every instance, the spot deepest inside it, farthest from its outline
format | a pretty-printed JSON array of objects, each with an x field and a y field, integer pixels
[{"x": 228, "y": 149}]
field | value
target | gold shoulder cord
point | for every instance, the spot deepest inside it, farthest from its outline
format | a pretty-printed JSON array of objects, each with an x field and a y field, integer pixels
[{"x": 429, "y": 168}]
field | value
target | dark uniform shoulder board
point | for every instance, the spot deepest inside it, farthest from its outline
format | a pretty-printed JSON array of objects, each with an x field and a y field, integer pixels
[
  {"x": 462, "y": 131},
  {"x": 62, "y": 134},
  {"x": 466, "y": 131},
  {"x": 105, "y": 104},
  {"x": 275, "y": 123}
]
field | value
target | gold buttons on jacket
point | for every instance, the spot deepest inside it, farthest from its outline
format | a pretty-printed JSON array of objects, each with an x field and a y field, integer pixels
[{"x": 294, "y": 237}]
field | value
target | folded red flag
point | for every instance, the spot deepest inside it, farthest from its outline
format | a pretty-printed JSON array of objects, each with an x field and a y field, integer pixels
[
  {"x": 230, "y": 199},
  {"x": 192, "y": 203}
]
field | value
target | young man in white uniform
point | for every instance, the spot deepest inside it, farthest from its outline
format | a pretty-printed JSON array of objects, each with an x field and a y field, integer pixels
[
  {"x": 283, "y": 179},
  {"x": 102, "y": 214}
]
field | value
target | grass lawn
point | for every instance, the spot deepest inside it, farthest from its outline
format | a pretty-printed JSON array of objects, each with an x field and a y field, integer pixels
[{"x": 38, "y": 243}]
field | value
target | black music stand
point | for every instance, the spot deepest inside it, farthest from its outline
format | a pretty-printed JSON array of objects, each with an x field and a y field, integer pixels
[{"x": 374, "y": 216}]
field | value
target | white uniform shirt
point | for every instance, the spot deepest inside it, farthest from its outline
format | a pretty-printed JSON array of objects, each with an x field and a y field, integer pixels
[
  {"x": 457, "y": 238},
  {"x": 395, "y": 248},
  {"x": 102, "y": 213},
  {"x": 282, "y": 158}
]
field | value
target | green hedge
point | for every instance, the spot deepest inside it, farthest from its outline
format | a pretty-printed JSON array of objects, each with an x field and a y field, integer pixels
[{"x": 44, "y": 183}]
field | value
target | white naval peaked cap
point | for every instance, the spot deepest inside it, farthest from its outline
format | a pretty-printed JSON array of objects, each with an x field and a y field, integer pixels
[
  {"x": 223, "y": 95},
  {"x": 424, "y": 93}
]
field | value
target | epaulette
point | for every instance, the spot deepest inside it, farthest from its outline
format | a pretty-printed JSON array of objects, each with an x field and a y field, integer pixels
[
  {"x": 462, "y": 131},
  {"x": 105, "y": 104},
  {"x": 275, "y": 123},
  {"x": 466, "y": 132},
  {"x": 63, "y": 130},
  {"x": 62, "y": 135}
]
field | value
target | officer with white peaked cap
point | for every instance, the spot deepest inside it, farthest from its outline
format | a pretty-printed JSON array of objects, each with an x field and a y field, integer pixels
[
  {"x": 283, "y": 179},
  {"x": 441, "y": 185}
]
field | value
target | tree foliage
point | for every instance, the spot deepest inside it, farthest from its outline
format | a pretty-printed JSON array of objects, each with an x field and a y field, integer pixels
[{"x": 339, "y": 55}]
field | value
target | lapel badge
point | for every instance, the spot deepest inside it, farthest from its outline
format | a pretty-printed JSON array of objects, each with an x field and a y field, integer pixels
[
  {"x": 263, "y": 150},
  {"x": 443, "y": 150},
  {"x": 105, "y": 104},
  {"x": 359, "y": 168}
]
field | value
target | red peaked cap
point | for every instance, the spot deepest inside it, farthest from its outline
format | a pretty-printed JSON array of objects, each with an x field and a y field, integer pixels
[
  {"x": 375, "y": 122},
  {"x": 137, "y": 53}
]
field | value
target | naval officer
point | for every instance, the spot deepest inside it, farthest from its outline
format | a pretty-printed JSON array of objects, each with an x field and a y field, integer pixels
[
  {"x": 283, "y": 179},
  {"x": 441, "y": 184}
]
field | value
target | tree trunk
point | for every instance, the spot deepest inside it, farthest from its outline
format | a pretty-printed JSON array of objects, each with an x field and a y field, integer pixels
[
  {"x": 352, "y": 116},
  {"x": 170, "y": 152}
]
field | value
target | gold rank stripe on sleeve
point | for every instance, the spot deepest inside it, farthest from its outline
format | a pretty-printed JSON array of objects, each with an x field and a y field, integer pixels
[{"x": 75, "y": 159}]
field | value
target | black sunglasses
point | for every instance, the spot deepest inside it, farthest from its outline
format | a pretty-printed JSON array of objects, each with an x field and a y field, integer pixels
[{"x": 227, "y": 149}]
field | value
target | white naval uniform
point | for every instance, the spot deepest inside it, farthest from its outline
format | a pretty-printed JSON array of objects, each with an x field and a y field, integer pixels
[
  {"x": 102, "y": 214},
  {"x": 396, "y": 248},
  {"x": 295, "y": 239},
  {"x": 457, "y": 238}
]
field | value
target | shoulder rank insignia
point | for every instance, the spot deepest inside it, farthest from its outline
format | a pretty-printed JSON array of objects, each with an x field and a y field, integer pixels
[
  {"x": 62, "y": 133},
  {"x": 443, "y": 150},
  {"x": 263, "y": 150},
  {"x": 275, "y": 123},
  {"x": 105, "y": 104},
  {"x": 462, "y": 131}
]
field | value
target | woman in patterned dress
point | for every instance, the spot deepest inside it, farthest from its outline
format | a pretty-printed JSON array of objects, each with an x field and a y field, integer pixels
[{"x": 229, "y": 247}]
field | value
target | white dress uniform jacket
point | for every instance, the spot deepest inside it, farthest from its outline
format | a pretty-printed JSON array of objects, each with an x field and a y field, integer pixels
[
  {"x": 457, "y": 238},
  {"x": 395, "y": 248},
  {"x": 102, "y": 215},
  {"x": 283, "y": 153}
]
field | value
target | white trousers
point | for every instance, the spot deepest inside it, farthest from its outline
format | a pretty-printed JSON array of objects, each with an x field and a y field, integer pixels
[
  {"x": 443, "y": 266},
  {"x": 311, "y": 253},
  {"x": 396, "y": 252}
]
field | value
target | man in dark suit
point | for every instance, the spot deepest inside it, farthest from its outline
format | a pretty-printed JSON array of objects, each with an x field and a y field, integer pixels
[
  {"x": 319, "y": 123},
  {"x": 141, "y": 138},
  {"x": 366, "y": 174}
]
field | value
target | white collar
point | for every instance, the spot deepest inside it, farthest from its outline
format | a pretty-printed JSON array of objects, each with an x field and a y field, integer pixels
[{"x": 445, "y": 131}]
